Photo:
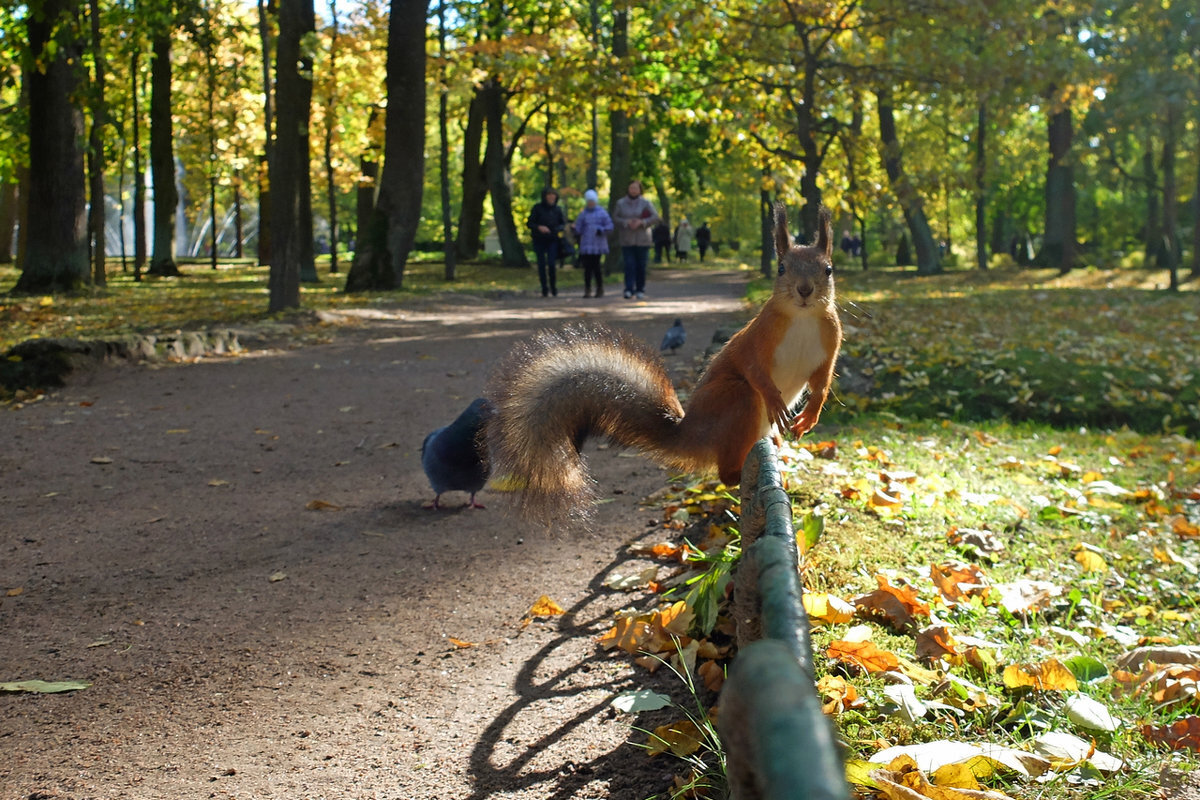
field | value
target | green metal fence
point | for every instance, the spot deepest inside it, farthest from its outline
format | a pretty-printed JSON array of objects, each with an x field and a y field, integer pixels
[{"x": 778, "y": 744}]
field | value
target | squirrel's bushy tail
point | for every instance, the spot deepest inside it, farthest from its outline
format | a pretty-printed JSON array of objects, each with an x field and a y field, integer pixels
[{"x": 562, "y": 386}]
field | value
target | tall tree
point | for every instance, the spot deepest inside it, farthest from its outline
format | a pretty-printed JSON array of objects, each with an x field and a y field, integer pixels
[
  {"x": 162, "y": 150},
  {"x": 328, "y": 135},
  {"x": 474, "y": 186},
  {"x": 1058, "y": 240},
  {"x": 384, "y": 247},
  {"x": 928, "y": 256},
  {"x": 56, "y": 255},
  {"x": 290, "y": 159},
  {"x": 265, "y": 7},
  {"x": 448, "y": 244},
  {"x": 95, "y": 155},
  {"x": 139, "y": 173},
  {"x": 8, "y": 217},
  {"x": 620, "y": 142}
]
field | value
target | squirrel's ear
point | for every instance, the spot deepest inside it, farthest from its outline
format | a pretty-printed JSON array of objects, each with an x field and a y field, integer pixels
[
  {"x": 783, "y": 242},
  {"x": 825, "y": 232}
]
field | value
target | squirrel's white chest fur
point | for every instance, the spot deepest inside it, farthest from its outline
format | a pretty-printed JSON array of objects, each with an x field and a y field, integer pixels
[{"x": 798, "y": 355}]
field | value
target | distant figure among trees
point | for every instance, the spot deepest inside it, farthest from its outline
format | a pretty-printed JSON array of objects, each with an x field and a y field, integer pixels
[
  {"x": 662, "y": 242},
  {"x": 592, "y": 227},
  {"x": 546, "y": 223},
  {"x": 703, "y": 239},
  {"x": 635, "y": 217},
  {"x": 683, "y": 239}
]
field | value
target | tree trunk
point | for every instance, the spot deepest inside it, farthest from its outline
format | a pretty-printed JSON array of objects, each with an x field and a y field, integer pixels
[
  {"x": 593, "y": 167},
  {"x": 237, "y": 215},
  {"x": 664, "y": 200},
  {"x": 308, "y": 264},
  {"x": 928, "y": 257},
  {"x": 289, "y": 162},
  {"x": 1058, "y": 241},
  {"x": 444, "y": 149},
  {"x": 981, "y": 248},
  {"x": 210, "y": 97},
  {"x": 139, "y": 176},
  {"x": 385, "y": 244},
  {"x": 8, "y": 218},
  {"x": 330, "y": 121},
  {"x": 499, "y": 179},
  {"x": 365, "y": 199},
  {"x": 1170, "y": 238},
  {"x": 474, "y": 187},
  {"x": 766, "y": 226},
  {"x": 162, "y": 159},
  {"x": 95, "y": 156},
  {"x": 1195, "y": 270},
  {"x": 264, "y": 170},
  {"x": 620, "y": 143},
  {"x": 1152, "y": 230},
  {"x": 56, "y": 256}
]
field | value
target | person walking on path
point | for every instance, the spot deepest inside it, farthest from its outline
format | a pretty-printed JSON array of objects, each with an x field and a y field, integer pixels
[
  {"x": 662, "y": 242},
  {"x": 683, "y": 239},
  {"x": 634, "y": 217},
  {"x": 703, "y": 239},
  {"x": 591, "y": 228},
  {"x": 546, "y": 224}
]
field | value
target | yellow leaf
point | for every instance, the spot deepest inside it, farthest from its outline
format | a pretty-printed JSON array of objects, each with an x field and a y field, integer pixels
[
  {"x": 321, "y": 505},
  {"x": 1050, "y": 675},
  {"x": 545, "y": 607},
  {"x": 827, "y": 608},
  {"x": 1090, "y": 476},
  {"x": 17, "y": 592},
  {"x": 218, "y": 482},
  {"x": 1092, "y": 562},
  {"x": 460, "y": 643},
  {"x": 958, "y": 776},
  {"x": 178, "y": 430},
  {"x": 682, "y": 738},
  {"x": 629, "y": 634}
]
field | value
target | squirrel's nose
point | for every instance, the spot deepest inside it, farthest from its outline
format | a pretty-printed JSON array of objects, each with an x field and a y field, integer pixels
[{"x": 805, "y": 290}]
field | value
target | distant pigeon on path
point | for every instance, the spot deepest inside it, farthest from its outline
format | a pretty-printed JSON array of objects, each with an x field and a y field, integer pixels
[
  {"x": 452, "y": 458},
  {"x": 675, "y": 337}
]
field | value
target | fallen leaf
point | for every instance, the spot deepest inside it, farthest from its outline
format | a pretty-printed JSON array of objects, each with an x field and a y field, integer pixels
[
  {"x": 1183, "y": 734},
  {"x": 1137, "y": 658},
  {"x": 1067, "y": 752},
  {"x": 908, "y": 707},
  {"x": 44, "y": 687},
  {"x": 827, "y": 608},
  {"x": 545, "y": 607},
  {"x": 1027, "y": 596},
  {"x": 837, "y": 694},
  {"x": 864, "y": 655},
  {"x": 1090, "y": 560},
  {"x": 218, "y": 482},
  {"x": 15, "y": 592},
  {"x": 1090, "y": 714},
  {"x": 1050, "y": 675},
  {"x": 934, "y": 642},
  {"x": 682, "y": 738},
  {"x": 713, "y": 675},
  {"x": 459, "y": 643},
  {"x": 637, "y": 701},
  {"x": 321, "y": 505},
  {"x": 101, "y": 460},
  {"x": 896, "y": 606},
  {"x": 633, "y": 580},
  {"x": 276, "y": 577},
  {"x": 957, "y": 581}
]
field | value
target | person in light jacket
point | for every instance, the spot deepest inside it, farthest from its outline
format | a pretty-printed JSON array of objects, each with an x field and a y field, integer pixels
[
  {"x": 592, "y": 227},
  {"x": 635, "y": 217},
  {"x": 683, "y": 239}
]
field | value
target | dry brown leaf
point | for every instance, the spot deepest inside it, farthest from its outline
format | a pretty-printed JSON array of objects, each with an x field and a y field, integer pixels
[
  {"x": 1183, "y": 734},
  {"x": 957, "y": 581},
  {"x": 459, "y": 643},
  {"x": 321, "y": 505},
  {"x": 864, "y": 655},
  {"x": 713, "y": 675},
  {"x": 837, "y": 694},
  {"x": 682, "y": 738},
  {"x": 936, "y": 642},
  {"x": 896, "y": 606}
]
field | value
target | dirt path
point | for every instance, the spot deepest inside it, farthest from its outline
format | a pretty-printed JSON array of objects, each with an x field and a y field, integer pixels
[{"x": 151, "y": 576}]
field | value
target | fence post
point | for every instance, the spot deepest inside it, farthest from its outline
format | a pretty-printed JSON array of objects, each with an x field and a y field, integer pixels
[{"x": 779, "y": 745}]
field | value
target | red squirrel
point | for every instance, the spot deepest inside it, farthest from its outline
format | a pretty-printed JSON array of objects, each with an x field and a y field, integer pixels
[{"x": 554, "y": 391}]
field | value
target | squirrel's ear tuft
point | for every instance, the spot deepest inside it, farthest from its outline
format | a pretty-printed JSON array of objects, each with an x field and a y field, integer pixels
[
  {"x": 825, "y": 232},
  {"x": 783, "y": 242}
]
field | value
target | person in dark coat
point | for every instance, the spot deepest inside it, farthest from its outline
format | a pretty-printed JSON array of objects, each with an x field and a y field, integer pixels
[
  {"x": 546, "y": 224},
  {"x": 662, "y": 242},
  {"x": 703, "y": 239}
]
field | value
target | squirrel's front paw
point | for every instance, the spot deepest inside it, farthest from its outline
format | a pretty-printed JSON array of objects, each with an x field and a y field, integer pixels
[{"x": 804, "y": 423}]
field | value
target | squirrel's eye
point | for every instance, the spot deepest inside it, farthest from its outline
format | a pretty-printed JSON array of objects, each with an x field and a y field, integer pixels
[
  {"x": 828, "y": 271},
  {"x": 781, "y": 269}
]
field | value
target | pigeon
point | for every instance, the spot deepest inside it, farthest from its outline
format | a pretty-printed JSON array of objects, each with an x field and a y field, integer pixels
[
  {"x": 675, "y": 337},
  {"x": 451, "y": 455}
]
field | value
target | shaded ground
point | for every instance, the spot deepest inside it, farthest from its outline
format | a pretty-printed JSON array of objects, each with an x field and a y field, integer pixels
[{"x": 150, "y": 576}]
